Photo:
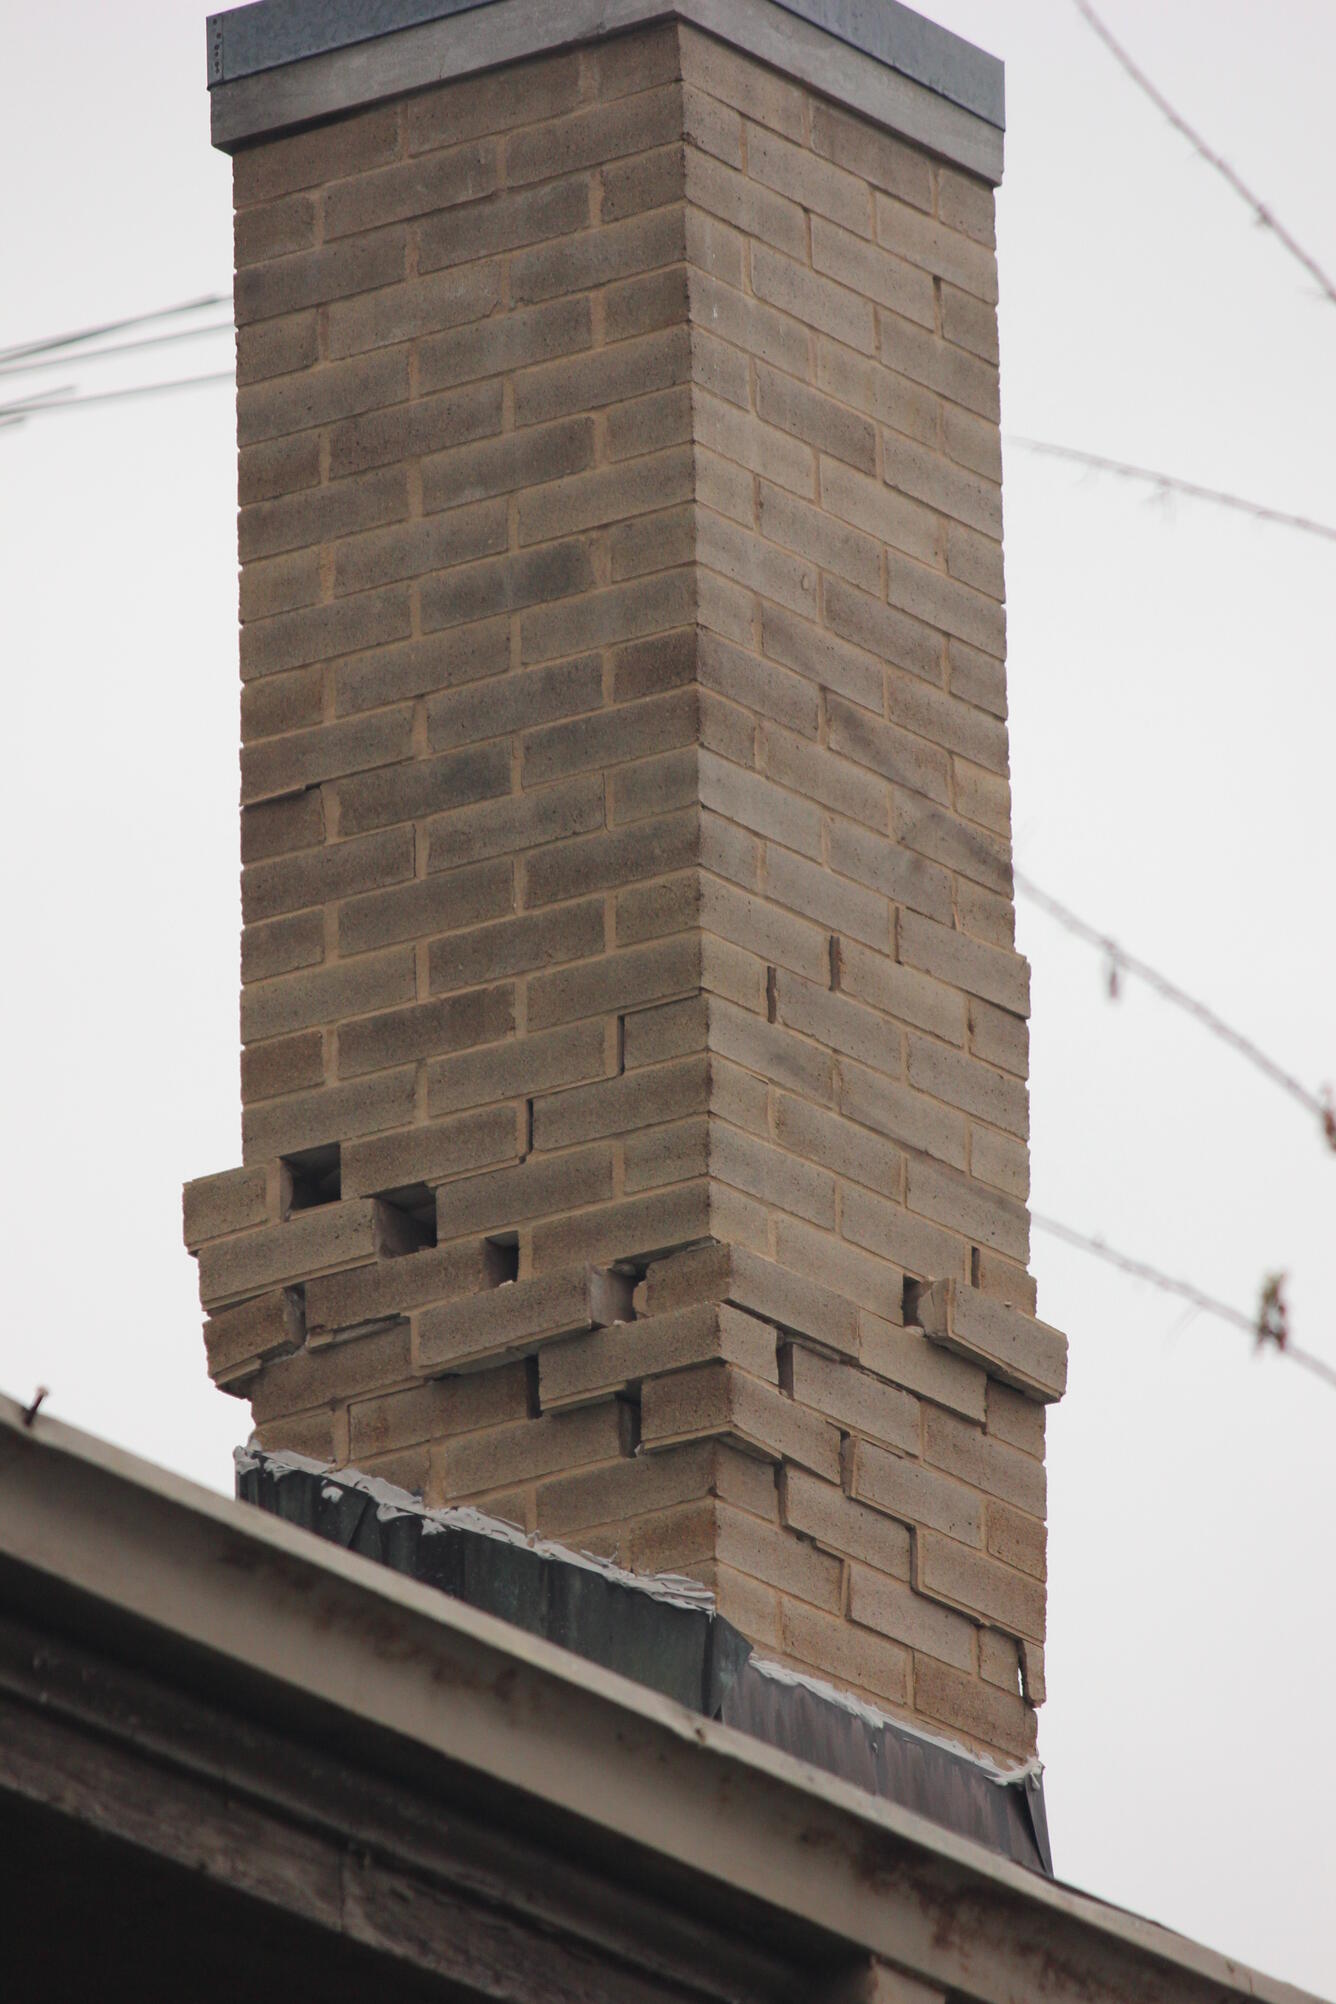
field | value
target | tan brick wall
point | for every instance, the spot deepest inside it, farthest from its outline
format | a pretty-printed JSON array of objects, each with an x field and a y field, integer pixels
[{"x": 626, "y": 854}]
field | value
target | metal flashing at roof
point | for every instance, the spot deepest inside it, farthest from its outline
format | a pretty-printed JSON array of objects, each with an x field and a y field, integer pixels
[
  {"x": 662, "y": 1632},
  {"x": 270, "y": 33}
]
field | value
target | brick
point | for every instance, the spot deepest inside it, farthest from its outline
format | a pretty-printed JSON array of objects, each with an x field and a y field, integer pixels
[
  {"x": 992, "y": 975},
  {"x": 238, "y": 1340},
  {"x": 281, "y": 827},
  {"x": 648, "y": 1226},
  {"x": 324, "y": 994},
  {"x": 807, "y": 179},
  {"x": 961, "y": 1081},
  {"x": 892, "y": 399},
  {"x": 432, "y": 904},
  {"x": 425, "y": 786},
  {"x": 839, "y": 1024},
  {"x": 870, "y": 152},
  {"x": 857, "y": 1400},
  {"x": 331, "y": 1113},
  {"x": 761, "y": 215},
  {"x": 629, "y": 1103},
  {"x": 408, "y": 549},
  {"x": 926, "y": 359},
  {"x": 900, "y": 523},
  {"x": 822, "y": 1512},
  {"x": 514, "y": 946},
  {"x": 519, "y": 821},
  {"x": 317, "y": 876},
  {"x": 623, "y": 1489},
  {"x": 903, "y": 993},
  {"x": 408, "y": 431},
  {"x": 505, "y": 222},
  {"x": 712, "y": 126},
  {"x": 290, "y": 702},
  {"x": 749, "y": 87},
  {"x": 946, "y": 721},
  {"x": 970, "y": 322},
  {"x": 596, "y": 257},
  {"x": 591, "y": 1366},
  {"x": 299, "y": 759},
  {"x": 610, "y": 494},
  {"x": 282, "y": 584},
  {"x": 510, "y": 341},
  {"x": 748, "y": 324},
  {"x": 812, "y": 652},
  {"x": 648, "y": 423},
  {"x": 278, "y": 466},
  {"x": 978, "y": 1585},
  {"x": 341, "y": 146},
  {"x": 426, "y": 1154},
  {"x": 274, "y": 347},
  {"x": 589, "y": 138},
  {"x": 761, "y": 1286},
  {"x": 716, "y": 1399},
  {"x": 317, "y": 277},
  {"x": 762, "y": 929},
  {"x": 845, "y": 315},
  {"x": 500, "y": 465},
  {"x": 516, "y": 1318},
  {"x": 836, "y": 1649},
  {"x": 892, "y": 870},
  {"x": 1017, "y": 1540},
  {"x": 757, "y": 803},
  {"x": 985, "y": 1216},
  {"x": 652, "y": 1035},
  {"x": 1016, "y": 1419},
  {"x": 872, "y": 273},
  {"x": 473, "y": 1462},
  {"x": 420, "y": 186},
  {"x": 965, "y": 1705},
  {"x": 905, "y": 1616},
  {"x": 426, "y": 1029},
  {"x": 513, "y": 95},
  {"x": 487, "y": 709},
  {"x": 516, "y": 1068},
  {"x": 250, "y": 1262},
  {"x": 653, "y": 786},
  {"x": 941, "y": 602},
  {"x": 400, "y": 313},
  {"x": 320, "y": 396},
  {"x": 522, "y": 578},
  {"x": 361, "y": 1295},
  {"x": 772, "y": 1175},
  {"x": 986, "y": 1463},
  {"x": 906, "y": 1357},
  {"x": 285, "y": 1065},
  {"x": 767, "y": 1553},
  {"x": 644, "y": 181},
  {"x": 913, "y": 1493},
  {"x": 503, "y": 1197},
  {"x": 816, "y": 536},
  {"x": 287, "y": 224},
  {"x": 677, "y": 1153},
  {"x": 893, "y": 636},
  {"x": 323, "y": 632},
  {"x": 620, "y": 980},
  {"x": 213, "y": 1206},
  {"x": 812, "y": 770}
]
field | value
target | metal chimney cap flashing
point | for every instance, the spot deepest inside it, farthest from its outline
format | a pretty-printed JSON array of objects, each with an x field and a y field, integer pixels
[{"x": 266, "y": 35}]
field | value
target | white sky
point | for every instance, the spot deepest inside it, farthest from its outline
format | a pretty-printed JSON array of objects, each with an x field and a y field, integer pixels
[{"x": 1173, "y": 723}]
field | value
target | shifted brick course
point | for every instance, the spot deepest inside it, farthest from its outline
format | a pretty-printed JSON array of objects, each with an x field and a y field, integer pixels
[{"x": 634, "y": 1056}]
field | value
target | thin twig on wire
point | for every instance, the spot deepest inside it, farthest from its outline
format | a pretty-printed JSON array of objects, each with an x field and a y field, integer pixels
[
  {"x": 1120, "y": 962},
  {"x": 54, "y": 341},
  {"x": 1264, "y": 1327},
  {"x": 1169, "y": 483},
  {"x": 19, "y": 413},
  {"x": 1264, "y": 215}
]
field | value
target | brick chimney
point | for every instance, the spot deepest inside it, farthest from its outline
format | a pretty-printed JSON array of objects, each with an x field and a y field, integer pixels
[{"x": 634, "y": 1044}]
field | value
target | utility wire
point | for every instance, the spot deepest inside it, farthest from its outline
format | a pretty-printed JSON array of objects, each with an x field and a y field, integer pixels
[
  {"x": 76, "y": 339},
  {"x": 1269, "y": 1325},
  {"x": 62, "y": 361},
  {"x": 1120, "y": 961},
  {"x": 1168, "y": 483},
  {"x": 1263, "y": 214},
  {"x": 18, "y": 413}
]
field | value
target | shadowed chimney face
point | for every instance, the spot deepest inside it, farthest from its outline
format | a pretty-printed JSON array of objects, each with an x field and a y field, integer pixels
[{"x": 634, "y": 1046}]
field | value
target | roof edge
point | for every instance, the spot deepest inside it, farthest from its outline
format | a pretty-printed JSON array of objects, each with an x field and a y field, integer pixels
[{"x": 327, "y": 1628}]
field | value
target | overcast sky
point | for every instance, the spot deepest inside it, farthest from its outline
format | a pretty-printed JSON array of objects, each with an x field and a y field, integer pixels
[{"x": 1173, "y": 735}]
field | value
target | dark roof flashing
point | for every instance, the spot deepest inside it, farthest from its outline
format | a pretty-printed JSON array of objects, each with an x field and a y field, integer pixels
[{"x": 662, "y": 1631}]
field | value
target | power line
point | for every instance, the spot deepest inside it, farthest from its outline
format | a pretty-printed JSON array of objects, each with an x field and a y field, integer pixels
[
  {"x": 21, "y": 368},
  {"x": 82, "y": 334},
  {"x": 1263, "y": 214},
  {"x": 20, "y": 412},
  {"x": 1170, "y": 484},
  {"x": 1121, "y": 962},
  {"x": 1269, "y": 1325}
]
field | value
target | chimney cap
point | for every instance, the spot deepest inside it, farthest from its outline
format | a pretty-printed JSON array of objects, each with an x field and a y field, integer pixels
[{"x": 248, "y": 42}]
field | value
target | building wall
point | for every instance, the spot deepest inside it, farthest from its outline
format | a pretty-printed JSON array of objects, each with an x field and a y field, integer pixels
[{"x": 626, "y": 853}]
